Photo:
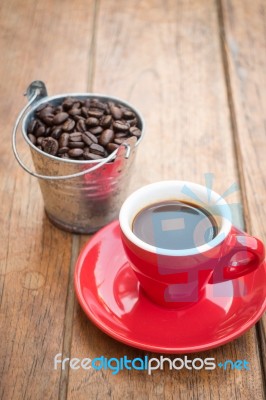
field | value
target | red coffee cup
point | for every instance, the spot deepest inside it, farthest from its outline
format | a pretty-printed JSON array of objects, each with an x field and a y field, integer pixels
[{"x": 178, "y": 278}]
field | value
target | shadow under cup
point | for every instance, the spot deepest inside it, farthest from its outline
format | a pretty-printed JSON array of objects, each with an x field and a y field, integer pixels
[{"x": 177, "y": 278}]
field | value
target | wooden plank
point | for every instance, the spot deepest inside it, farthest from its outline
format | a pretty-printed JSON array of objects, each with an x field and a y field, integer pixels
[
  {"x": 166, "y": 59},
  {"x": 38, "y": 40},
  {"x": 245, "y": 43}
]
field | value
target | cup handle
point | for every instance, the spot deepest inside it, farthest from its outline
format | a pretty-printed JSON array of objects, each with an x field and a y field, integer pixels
[{"x": 239, "y": 243}]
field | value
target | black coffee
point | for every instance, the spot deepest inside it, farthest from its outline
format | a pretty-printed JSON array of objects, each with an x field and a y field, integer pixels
[{"x": 175, "y": 225}]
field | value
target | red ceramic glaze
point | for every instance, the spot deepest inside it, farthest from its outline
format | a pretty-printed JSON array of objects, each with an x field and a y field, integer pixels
[
  {"x": 110, "y": 295},
  {"x": 179, "y": 281},
  {"x": 177, "y": 278}
]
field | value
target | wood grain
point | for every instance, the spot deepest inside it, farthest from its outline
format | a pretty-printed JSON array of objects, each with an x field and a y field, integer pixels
[
  {"x": 204, "y": 103},
  {"x": 166, "y": 59},
  {"x": 50, "y": 41},
  {"x": 245, "y": 44}
]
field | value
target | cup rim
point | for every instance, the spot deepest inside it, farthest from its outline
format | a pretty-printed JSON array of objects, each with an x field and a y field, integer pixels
[{"x": 125, "y": 215}]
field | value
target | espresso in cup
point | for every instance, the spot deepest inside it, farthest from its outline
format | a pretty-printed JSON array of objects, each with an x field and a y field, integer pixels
[{"x": 175, "y": 225}]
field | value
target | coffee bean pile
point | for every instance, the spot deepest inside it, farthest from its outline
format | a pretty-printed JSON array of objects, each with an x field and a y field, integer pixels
[{"x": 89, "y": 129}]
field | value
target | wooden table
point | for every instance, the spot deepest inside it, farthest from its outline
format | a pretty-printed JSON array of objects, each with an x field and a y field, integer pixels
[{"x": 196, "y": 70}]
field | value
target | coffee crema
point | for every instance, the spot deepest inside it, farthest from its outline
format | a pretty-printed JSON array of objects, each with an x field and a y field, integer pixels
[{"x": 175, "y": 225}]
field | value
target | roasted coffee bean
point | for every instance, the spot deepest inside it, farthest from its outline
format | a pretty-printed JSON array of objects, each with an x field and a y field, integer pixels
[
  {"x": 91, "y": 156},
  {"x": 32, "y": 125},
  {"x": 43, "y": 140},
  {"x": 32, "y": 138},
  {"x": 97, "y": 149},
  {"x": 89, "y": 138},
  {"x": 86, "y": 140},
  {"x": 119, "y": 141},
  {"x": 106, "y": 137},
  {"x": 84, "y": 112},
  {"x": 133, "y": 122},
  {"x": 97, "y": 130},
  {"x": 87, "y": 103},
  {"x": 46, "y": 111},
  {"x": 40, "y": 139},
  {"x": 106, "y": 121},
  {"x": 75, "y": 153},
  {"x": 85, "y": 154},
  {"x": 40, "y": 131},
  {"x": 82, "y": 129},
  {"x": 63, "y": 150},
  {"x": 77, "y": 104},
  {"x": 81, "y": 126},
  {"x": 64, "y": 139},
  {"x": 41, "y": 107},
  {"x": 68, "y": 125},
  {"x": 48, "y": 131},
  {"x": 48, "y": 119},
  {"x": 75, "y": 136},
  {"x": 120, "y": 126},
  {"x": 111, "y": 147},
  {"x": 68, "y": 103},
  {"x": 59, "y": 109},
  {"x": 76, "y": 145},
  {"x": 75, "y": 139},
  {"x": 75, "y": 133},
  {"x": 135, "y": 131},
  {"x": 50, "y": 146},
  {"x": 115, "y": 111},
  {"x": 92, "y": 137},
  {"x": 119, "y": 135},
  {"x": 94, "y": 112},
  {"x": 98, "y": 104},
  {"x": 74, "y": 111},
  {"x": 91, "y": 122},
  {"x": 128, "y": 114},
  {"x": 78, "y": 118},
  {"x": 56, "y": 132},
  {"x": 60, "y": 118}
]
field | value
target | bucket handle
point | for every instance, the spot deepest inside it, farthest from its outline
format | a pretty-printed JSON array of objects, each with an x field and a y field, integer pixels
[{"x": 37, "y": 94}]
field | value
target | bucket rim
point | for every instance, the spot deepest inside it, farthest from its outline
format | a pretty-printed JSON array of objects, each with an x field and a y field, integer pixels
[{"x": 78, "y": 95}]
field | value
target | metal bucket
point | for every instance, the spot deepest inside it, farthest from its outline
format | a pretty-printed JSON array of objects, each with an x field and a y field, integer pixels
[{"x": 79, "y": 196}]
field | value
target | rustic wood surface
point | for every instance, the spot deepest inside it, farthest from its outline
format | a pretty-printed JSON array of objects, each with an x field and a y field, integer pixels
[
  {"x": 196, "y": 70},
  {"x": 245, "y": 46}
]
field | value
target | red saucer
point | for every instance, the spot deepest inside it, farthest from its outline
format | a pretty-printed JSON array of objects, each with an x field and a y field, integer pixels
[{"x": 109, "y": 293}]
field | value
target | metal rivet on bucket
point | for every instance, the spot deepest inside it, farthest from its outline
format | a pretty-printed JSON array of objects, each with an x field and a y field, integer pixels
[{"x": 79, "y": 196}]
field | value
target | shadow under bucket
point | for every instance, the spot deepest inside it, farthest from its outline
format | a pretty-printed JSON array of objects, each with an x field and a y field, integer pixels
[{"x": 79, "y": 196}]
